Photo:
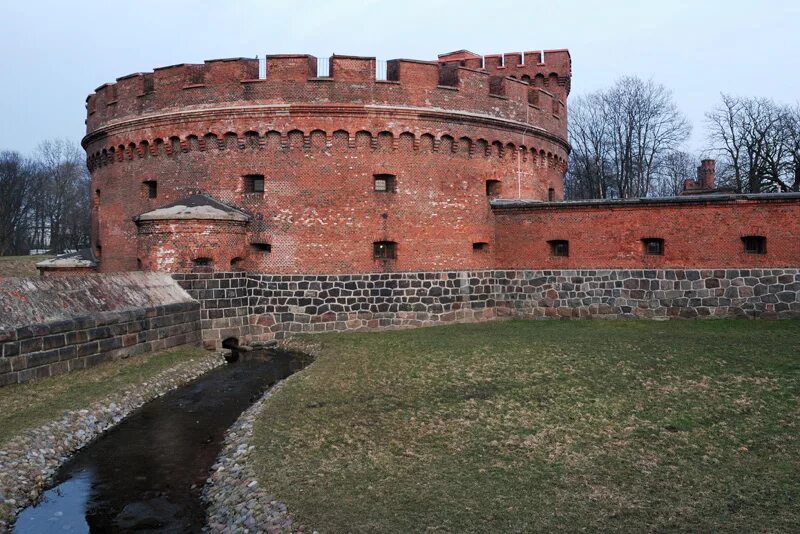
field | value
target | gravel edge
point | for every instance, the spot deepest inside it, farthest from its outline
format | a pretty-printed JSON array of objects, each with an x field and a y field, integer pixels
[
  {"x": 28, "y": 461},
  {"x": 235, "y": 503}
]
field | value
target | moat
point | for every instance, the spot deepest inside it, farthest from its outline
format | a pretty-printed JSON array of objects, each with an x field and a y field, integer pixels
[{"x": 147, "y": 474}]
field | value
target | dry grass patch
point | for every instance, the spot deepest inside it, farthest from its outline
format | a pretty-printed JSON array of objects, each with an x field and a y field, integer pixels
[
  {"x": 520, "y": 426},
  {"x": 20, "y": 265},
  {"x": 28, "y": 405}
]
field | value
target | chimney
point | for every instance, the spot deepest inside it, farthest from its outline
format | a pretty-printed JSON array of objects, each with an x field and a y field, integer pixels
[{"x": 707, "y": 174}]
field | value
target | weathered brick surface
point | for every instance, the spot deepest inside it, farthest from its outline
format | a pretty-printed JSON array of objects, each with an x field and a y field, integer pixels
[
  {"x": 697, "y": 232},
  {"x": 442, "y": 131}
]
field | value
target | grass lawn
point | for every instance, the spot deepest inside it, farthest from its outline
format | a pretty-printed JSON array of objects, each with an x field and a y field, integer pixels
[
  {"x": 20, "y": 265},
  {"x": 28, "y": 405},
  {"x": 542, "y": 425}
]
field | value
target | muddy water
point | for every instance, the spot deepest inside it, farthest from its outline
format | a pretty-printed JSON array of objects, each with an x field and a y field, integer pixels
[{"x": 147, "y": 474}]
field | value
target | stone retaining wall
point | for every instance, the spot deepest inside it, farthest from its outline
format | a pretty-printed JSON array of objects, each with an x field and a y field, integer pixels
[
  {"x": 49, "y": 349},
  {"x": 673, "y": 293},
  {"x": 52, "y": 326},
  {"x": 225, "y": 304},
  {"x": 278, "y": 305}
]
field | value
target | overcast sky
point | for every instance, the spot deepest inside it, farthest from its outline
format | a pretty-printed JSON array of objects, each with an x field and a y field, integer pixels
[{"x": 54, "y": 53}]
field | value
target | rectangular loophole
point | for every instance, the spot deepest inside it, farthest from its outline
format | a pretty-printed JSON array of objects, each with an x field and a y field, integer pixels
[
  {"x": 653, "y": 246},
  {"x": 385, "y": 183},
  {"x": 384, "y": 250},
  {"x": 253, "y": 183},
  {"x": 754, "y": 244},
  {"x": 150, "y": 188},
  {"x": 493, "y": 188},
  {"x": 559, "y": 247}
]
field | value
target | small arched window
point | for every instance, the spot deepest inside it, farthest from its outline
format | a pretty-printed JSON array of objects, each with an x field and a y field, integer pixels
[
  {"x": 493, "y": 188},
  {"x": 551, "y": 195}
]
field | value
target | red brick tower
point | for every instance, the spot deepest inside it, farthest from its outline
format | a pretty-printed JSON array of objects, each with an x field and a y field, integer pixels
[{"x": 305, "y": 173}]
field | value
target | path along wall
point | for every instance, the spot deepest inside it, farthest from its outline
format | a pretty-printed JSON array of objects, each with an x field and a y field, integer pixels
[
  {"x": 50, "y": 326},
  {"x": 251, "y": 306}
]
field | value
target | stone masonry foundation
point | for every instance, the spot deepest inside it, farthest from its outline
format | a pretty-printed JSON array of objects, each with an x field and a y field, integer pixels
[
  {"x": 50, "y": 326},
  {"x": 54, "y": 325},
  {"x": 252, "y": 306}
]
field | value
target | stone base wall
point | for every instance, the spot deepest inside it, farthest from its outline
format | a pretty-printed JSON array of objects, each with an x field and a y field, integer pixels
[
  {"x": 673, "y": 293},
  {"x": 225, "y": 304},
  {"x": 52, "y": 325},
  {"x": 320, "y": 303},
  {"x": 48, "y": 349},
  {"x": 252, "y": 306}
]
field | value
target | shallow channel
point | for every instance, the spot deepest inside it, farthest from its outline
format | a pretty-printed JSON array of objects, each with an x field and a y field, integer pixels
[{"x": 147, "y": 473}]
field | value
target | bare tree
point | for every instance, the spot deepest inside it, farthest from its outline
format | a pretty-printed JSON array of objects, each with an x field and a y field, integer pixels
[
  {"x": 792, "y": 141},
  {"x": 15, "y": 182},
  {"x": 589, "y": 173},
  {"x": 621, "y": 138},
  {"x": 44, "y": 201},
  {"x": 675, "y": 168},
  {"x": 757, "y": 139},
  {"x": 62, "y": 194},
  {"x": 726, "y": 135}
]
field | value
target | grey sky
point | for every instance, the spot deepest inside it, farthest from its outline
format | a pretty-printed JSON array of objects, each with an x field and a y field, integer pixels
[{"x": 56, "y": 52}]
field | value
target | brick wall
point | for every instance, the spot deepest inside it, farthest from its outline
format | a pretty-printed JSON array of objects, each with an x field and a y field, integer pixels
[{"x": 696, "y": 231}]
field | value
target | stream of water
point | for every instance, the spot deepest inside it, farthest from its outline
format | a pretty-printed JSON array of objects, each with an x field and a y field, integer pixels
[{"x": 147, "y": 473}]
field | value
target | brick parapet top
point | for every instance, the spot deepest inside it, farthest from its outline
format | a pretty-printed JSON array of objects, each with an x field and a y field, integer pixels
[
  {"x": 523, "y": 204},
  {"x": 294, "y": 80}
]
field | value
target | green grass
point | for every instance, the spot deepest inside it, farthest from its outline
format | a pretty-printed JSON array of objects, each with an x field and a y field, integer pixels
[
  {"x": 28, "y": 405},
  {"x": 538, "y": 426},
  {"x": 20, "y": 265}
]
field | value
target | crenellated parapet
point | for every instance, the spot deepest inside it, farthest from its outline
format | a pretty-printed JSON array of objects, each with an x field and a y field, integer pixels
[
  {"x": 548, "y": 70},
  {"x": 529, "y": 97}
]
